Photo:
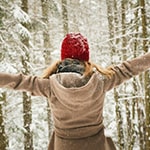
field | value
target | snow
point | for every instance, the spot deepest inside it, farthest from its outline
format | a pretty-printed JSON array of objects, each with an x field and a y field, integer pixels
[
  {"x": 20, "y": 15},
  {"x": 91, "y": 21},
  {"x": 23, "y": 31}
]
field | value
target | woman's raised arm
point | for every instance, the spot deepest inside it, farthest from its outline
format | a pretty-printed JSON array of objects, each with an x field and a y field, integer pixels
[
  {"x": 33, "y": 84},
  {"x": 127, "y": 70}
]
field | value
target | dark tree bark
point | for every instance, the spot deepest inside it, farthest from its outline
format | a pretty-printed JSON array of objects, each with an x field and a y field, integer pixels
[
  {"x": 47, "y": 51},
  {"x": 27, "y": 112},
  {"x": 65, "y": 16},
  {"x": 147, "y": 75},
  {"x": 3, "y": 137}
]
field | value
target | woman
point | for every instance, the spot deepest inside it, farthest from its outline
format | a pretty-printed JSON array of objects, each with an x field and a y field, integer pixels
[{"x": 76, "y": 89}]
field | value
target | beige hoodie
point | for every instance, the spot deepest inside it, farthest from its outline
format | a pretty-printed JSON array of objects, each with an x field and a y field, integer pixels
[{"x": 77, "y": 106}]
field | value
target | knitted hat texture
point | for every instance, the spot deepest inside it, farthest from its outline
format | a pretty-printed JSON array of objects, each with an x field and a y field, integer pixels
[{"x": 75, "y": 46}]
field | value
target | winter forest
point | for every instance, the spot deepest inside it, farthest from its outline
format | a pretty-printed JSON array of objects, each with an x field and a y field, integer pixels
[{"x": 31, "y": 32}]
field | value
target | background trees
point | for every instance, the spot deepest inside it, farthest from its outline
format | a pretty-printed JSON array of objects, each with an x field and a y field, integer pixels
[{"x": 30, "y": 37}]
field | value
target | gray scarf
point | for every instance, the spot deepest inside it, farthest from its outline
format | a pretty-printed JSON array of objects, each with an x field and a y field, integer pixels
[{"x": 71, "y": 65}]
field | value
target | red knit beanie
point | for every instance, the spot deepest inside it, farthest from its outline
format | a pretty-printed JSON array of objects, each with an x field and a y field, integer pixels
[{"x": 75, "y": 46}]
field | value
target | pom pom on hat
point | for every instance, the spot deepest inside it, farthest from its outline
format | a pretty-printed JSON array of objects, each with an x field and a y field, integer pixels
[{"x": 75, "y": 46}]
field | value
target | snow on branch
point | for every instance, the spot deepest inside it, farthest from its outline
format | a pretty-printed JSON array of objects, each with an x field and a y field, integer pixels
[
  {"x": 20, "y": 15},
  {"x": 24, "y": 32}
]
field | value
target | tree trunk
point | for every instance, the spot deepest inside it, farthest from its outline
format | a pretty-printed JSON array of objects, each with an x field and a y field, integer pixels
[
  {"x": 121, "y": 142},
  {"x": 124, "y": 40},
  {"x": 147, "y": 75},
  {"x": 129, "y": 127},
  {"x": 47, "y": 51},
  {"x": 27, "y": 117},
  {"x": 47, "y": 43},
  {"x": 65, "y": 16},
  {"x": 137, "y": 102},
  {"x": 1, "y": 16},
  {"x": 3, "y": 137},
  {"x": 113, "y": 42},
  {"x": 110, "y": 26},
  {"x": 27, "y": 112},
  {"x": 73, "y": 15}
]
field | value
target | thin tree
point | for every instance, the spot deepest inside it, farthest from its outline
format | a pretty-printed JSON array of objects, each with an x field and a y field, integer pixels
[
  {"x": 113, "y": 18},
  {"x": 27, "y": 112},
  {"x": 137, "y": 102},
  {"x": 3, "y": 137},
  {"x": 147, "y": 75},
  {"x": 129, "y": 145},
  {"x": 47, "y": 52},
  {"x": 74, "y": 15},
  {"x": 65, "y": 17}
]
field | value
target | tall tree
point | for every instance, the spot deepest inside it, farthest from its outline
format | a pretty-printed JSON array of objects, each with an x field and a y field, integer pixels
[
  {"x": 46, "y": 38},
  {"x": 137, "y": 102},
  {"x": 112, "y": 18},
  {"x": 147, "y": 74},
  {"x": 130, "y": 144},
  {"x": 47, "y": 48},
  {"x": 3, "y": 138},
  {"x": 74, "y": 15},
  {"x": 65, "y": 16},
  {"x": 27, "y": 112}
]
